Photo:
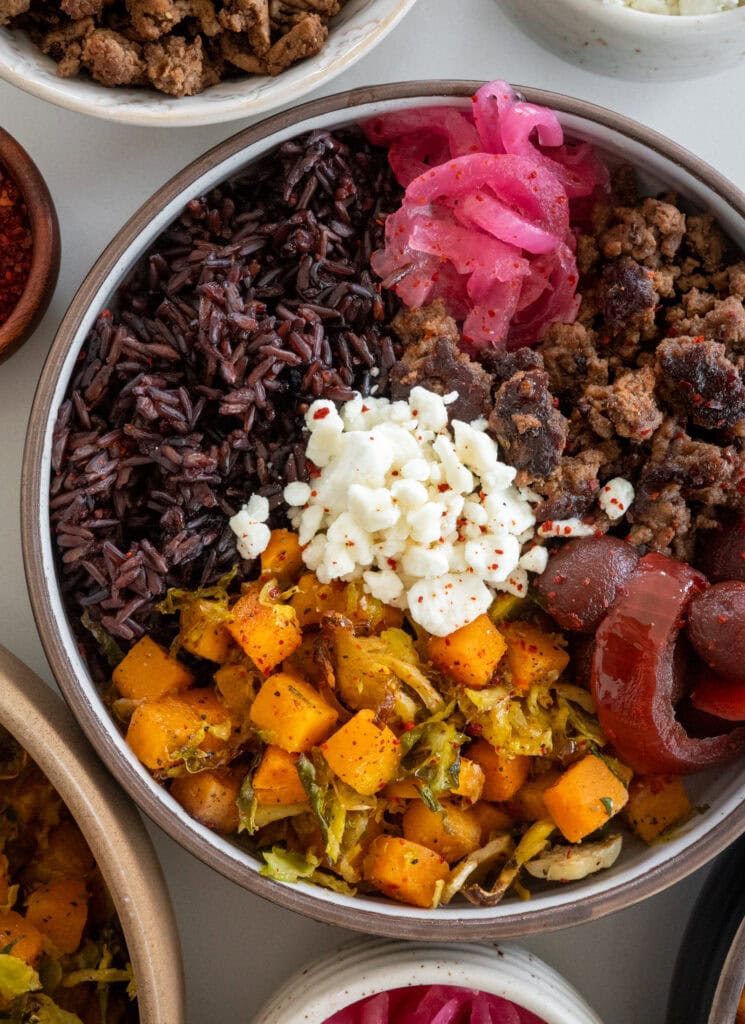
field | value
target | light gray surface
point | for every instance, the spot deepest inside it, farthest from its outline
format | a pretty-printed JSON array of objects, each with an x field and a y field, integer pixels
[{"x": 238, "y": 948}]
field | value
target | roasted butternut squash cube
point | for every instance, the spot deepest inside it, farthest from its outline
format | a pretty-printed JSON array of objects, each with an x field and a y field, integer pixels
[
  {"x": 655, "y": 803},
  {"x": 201, "y": 635},
  {"x": 471, "y": 654},
  {"x": 470, "y": 785},
  {"x": 312, "y": 600},
  {"x": 276, "y": 780},
  {"x": 210, "y": 797},
  {"x": 160, "y": 730},
  {"x": 235, "y": 684},
  {"x": 491, "y": 819},
  {"x": 404, "y": 871},
  {"x": 532, "y": 656},
  {"x": 453, "y": 831},
  {"x": 148, "y": 672},
  {"x": 527, "y": 804},
  {"x": 503, "y": 774},
  {"x": 363, "y": 754},
  {"x": 60, "y": 910},
  {"x": 20, "y": 937},
  {"x": 290, "y": 714},
  {"x": 65, "y": 854},
  {"x": 282, "y": 558},
  {"x": 267, "y": 632},
  {"x": 584, "y": 798}
]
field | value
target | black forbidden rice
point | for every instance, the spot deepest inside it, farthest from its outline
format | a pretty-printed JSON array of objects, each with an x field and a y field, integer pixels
[{"x": 189, "y": 395}]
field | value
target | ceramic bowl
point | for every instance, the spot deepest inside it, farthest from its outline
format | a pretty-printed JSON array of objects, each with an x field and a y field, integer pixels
[
  {"x": 41, "y": 723},
  {"x": 356, "y": 30},
  {"x": 640, "y": 871},
  {"x": 46, "y": 246},
  {"x": 365, "y": 968},
  {"x": 612, "y": 40}
]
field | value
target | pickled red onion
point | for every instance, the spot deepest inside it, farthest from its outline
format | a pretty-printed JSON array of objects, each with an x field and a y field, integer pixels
[
  {"x": 485, "y": 219},
  {"x": 434, "y": 1004}
]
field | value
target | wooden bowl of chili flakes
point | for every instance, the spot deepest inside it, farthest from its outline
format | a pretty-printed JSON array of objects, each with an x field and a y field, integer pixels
[{"x": 29, "y": 245}]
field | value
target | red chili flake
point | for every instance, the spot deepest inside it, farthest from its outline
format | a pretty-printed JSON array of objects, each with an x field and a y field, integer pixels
[
  {"x": 321, "y": 414},
  {"x": 392, "y": 563},
  {"x": 420, "y": 599},
  {"x": 16, "y": 245},
  {"x": 443, "y": 487}
]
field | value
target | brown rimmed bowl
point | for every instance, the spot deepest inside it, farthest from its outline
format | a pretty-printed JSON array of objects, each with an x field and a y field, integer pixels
[
  {"x": 42, "y": 724},
  {"x": 45, "y": 259},
  {"x": 640, "y": 871}
]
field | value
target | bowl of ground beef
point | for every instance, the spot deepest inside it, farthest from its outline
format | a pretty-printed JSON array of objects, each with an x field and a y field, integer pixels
[
  {"x": 168, "y": 62},
  {"x": 242, "y": 313}
]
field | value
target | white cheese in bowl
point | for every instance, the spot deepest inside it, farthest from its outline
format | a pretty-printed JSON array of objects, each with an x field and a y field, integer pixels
[{"x": 423, "y": 512}]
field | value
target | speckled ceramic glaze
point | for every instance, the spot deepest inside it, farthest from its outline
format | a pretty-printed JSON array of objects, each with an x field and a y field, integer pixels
[
  {"x": 359, "y": 27},
  {"x": 626, "y": 43},
  {"x": 362, "y": 969},
  {"x": 640, "y": 871},
  {"x": 44, "y": 727}
]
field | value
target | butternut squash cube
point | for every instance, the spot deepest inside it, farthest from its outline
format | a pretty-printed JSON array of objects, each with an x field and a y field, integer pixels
[
  {"x": 210, "y": 796},
  {"x": 655, "y": 803},
  {"x": 60, "y": 910},
  {"x": 404, "y": 871},
  {"x": 290, "y": 714},
  {"x": 532, "y": 655},
  {"x": 267, "y": 632},
  {"x": 276, "y": 780},
  {"x": 282, "y": 558},
  {"x": 453, "y": 832},
  {"x": 148, "y": 672},
  {"x": 527, "y": 804},
  {"x": 471, "y": 781},
  {"x": 470, "y": 654},
  {"x": 66, "y": 854},
  {"x": 159, "y": 729},
  {"x": 312, "y": 600},
  {"x": 491, "y": 819},
  {"x": 363, "y": 754},
  {"x": 201, "y": 636},
  {"x": 24, "y": 939},
  {"x": 584, "y": 798},
  {"x": 503, "y": 774}
]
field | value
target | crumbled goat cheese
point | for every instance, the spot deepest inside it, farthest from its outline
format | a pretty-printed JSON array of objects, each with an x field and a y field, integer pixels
[
  {"x": 615, "y": 497},
  {"x": 684, "y": 7},
  {"x": 249, "y": 526},
  {"x": 425, "y": 513}
]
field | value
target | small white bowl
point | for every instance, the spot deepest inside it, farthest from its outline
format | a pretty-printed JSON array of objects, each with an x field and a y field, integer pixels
[
  {"x": 343, "y": 977},
  {"x": 627, "y": 43},
  {"x": 356, "y": 30}
]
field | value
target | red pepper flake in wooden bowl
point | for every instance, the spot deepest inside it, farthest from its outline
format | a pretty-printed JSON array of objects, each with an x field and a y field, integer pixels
[{"x": 16, "y": 245}]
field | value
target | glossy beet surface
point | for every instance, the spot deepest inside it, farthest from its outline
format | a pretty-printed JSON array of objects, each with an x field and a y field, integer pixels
[
  {"x": 582, "y": 580},
  {"x": 716, "y": 628},
  {"x": 633, "y": 680},
  {"x": 719, "y": 697},
  {"x": 721, "y": 552}
]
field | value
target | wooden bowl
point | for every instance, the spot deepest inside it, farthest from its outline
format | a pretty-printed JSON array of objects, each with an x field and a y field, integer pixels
[
  {"x": 45, "y": 260},
  {"x": 41, "y": 723},
  {"x": 640, "y": 871}
]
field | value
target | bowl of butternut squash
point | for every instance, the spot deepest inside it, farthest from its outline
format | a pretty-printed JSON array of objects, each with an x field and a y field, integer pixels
[
  {"x": 86, "y": 925},
  {"x": 325, "y": 750}
]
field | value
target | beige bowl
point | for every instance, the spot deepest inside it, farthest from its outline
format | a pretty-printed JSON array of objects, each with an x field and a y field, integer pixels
[
  {"x": 41, "y": 723},
  {"x": 640, "y": 871}
]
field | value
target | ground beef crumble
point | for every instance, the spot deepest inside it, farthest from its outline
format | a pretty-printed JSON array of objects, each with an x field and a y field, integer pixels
[{"x": 647, "y": 384}]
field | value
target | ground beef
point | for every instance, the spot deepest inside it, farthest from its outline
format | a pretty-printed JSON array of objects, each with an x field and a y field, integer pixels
[
  {"x": 573, "y": 486},
  {"x": 696, "y": 377},
  {"x": 112, "y": 59},
  {"x": 625, "y": 294},
  {"x": 432, "y": 359},
  {"x": 572, "y": 360},
  {"x": 528, "y": 426},
  {"x": 627, "y": 408},
  {"x": 502, "y": 365}
]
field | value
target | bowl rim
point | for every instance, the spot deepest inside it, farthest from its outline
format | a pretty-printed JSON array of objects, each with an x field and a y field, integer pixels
[
  {"x": 41, "y": 722},
  {"x": 154, "y": 109},
  {"x": 45, "y": 256},
  {"x": 689, "y": 21},
  {"x": 34, "y": 494}
]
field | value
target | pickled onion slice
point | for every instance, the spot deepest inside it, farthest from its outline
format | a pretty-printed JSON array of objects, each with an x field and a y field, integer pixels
[
  {"x": 434, "y": 1004},
  {"x": 485, "y": 219}
]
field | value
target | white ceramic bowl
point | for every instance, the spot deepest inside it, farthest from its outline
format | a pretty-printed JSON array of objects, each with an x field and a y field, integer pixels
[
  {"x": 356, "y": 30},
  {"x": 362, "y": 969},
  {"x": 640, "y": 871},
  {"x": 43, "y": 726},
  {"x": 633, "y": 44}
]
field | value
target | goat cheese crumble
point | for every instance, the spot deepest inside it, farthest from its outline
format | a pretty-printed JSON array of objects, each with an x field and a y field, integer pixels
[{"x": 423, "y": 511}]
